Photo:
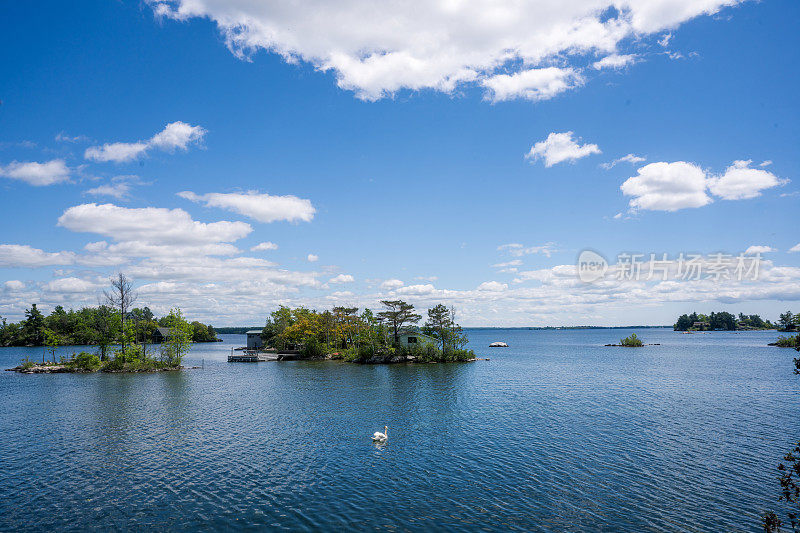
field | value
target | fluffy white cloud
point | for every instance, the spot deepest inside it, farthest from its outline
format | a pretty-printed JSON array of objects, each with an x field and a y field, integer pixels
[
  {"x": 38, "y": 174},
  {"x": 795, "y": 248},
  {"x": 72, "y": 284},
  {"x": 264, "y": 247},
  {"x": 417, "y": 290},
  {"x": 740, "y": 182},
  {"x": 261, "y": 207},
  {"x": 312, "y": 258},
  {"x": 671, "y": 186},
  {"x": 152, "y": 225},
  {"x": 630, "y": 158},
  {"x": 176, "y": 135},
  {"x": 378, "y": 48},
  {"x": 759, "y": 250},
  {"x": 342, "y": 278},
  {"x": 22, "y": 255},
  {"x": 615, "y": 61},
  {"x": 559, "y": 147},
  {"x": 667, "y": 187},
  {"x": 391, "y": 284},
  {"x": 492, "y": 286},
  {"x": 535, "y": 84},
  {"x": 14, "y": 285}
]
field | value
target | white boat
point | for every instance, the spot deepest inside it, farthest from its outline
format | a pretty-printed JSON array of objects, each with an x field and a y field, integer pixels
[{"x": 498, "y": 344}]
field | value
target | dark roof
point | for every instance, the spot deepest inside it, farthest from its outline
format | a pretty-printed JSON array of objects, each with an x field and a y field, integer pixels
[{"x": 165, "y": 332}]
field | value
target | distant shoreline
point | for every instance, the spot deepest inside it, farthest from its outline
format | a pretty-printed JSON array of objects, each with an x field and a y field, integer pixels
[{"x": 236, "y": 330}]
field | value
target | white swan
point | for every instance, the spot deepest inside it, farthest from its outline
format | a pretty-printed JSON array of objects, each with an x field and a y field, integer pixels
[{"x": 381, "y": 437}]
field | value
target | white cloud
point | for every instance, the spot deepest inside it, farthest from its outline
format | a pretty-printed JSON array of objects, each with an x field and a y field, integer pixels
[
  {"x": 312, "y": 258},
  {"x": 766, "y": 163},
  {"x": 667, "y": 187},
  {"x": 261, "y": 207},
  {"x": 417, "y": 290},
  {"x": 535, "y": 84},
  {"x": 264, "y": 247},
  {"x": 152, "y": 225},
  {"x": 22, "y": 255},
  {"x": 512, "y": 263},
  {"x": 740, "y": 182},
  {"x": 342, "y": 278},
  {"x": 671, "y": 186},
  {"x": 492, "y": 286},
  {"x": 37, "y": 174},
  {"x": 615, "y": 61},
  {"x": 518, "y": 250},
  {"x": 63, "y": 137},
  {"x": 795, "y": 248},
  {"x": 376, "y": 49},
  {"x": 630, "y": 158},
  {"x": 559, "y": 147},
  {"x": 120, "y": 190},
  {"x": 392, "y": 284},
  {"x": 70, "y": 285},
  {"x": 176, "y": 135},
  {"x": 759, "y": 250},
  {"x": 14, "y": 285}
]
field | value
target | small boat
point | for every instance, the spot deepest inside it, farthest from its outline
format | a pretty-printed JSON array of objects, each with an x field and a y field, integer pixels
[{"x": 498, "y": 345}]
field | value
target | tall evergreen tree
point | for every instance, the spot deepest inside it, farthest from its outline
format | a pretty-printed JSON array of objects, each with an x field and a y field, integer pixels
[{"x": 398, "y": 315}]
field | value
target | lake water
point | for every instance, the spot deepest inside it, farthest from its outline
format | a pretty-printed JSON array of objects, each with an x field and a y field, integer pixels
[{"x": 555, "y": 433}]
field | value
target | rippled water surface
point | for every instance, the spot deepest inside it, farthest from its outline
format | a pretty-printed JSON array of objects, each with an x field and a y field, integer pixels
[{"x": 555, "y": 433}]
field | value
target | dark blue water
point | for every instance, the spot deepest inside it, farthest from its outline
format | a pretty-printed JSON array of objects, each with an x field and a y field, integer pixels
[{"x": 555, "y": 433}]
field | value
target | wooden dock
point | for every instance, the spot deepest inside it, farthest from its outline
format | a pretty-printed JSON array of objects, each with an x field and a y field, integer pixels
[{"x": 251, "y": 356}]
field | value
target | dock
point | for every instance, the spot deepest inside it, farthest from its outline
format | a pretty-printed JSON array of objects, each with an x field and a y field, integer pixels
[{"x": 251, "y": 356}]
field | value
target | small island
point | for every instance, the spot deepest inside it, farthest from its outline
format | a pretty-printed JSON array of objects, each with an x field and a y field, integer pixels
[
  {"x": 127, "y": 339},
  {"x": 721, "y": 321},
  {"x": 631, "y": 341},
  {"x": 389, "y": 336}
]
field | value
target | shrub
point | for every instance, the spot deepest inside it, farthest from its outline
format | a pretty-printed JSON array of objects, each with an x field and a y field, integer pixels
[
  {"x": 84, "y": 361},
  {"x": 788, "y": 342},
  {"x": 631, "y": 342},
  {"x": 313, "y": 349}
]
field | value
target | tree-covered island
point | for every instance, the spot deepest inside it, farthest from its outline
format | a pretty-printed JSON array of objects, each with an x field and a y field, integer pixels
[
  {"x": 722, "y": 321},
  {"x": 127, "y": 339},
  {"x": 391, "y": 335}
]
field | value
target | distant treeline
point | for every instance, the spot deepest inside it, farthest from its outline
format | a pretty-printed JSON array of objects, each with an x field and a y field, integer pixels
[
  {"x": 236, "y": 330},
  {"x": 100, "y": 326},
  {"x": 723, "y": 321}
]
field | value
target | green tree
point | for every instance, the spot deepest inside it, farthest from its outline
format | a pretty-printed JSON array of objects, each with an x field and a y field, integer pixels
[
  {"x": 786, "y": 321},
  {"x": 106, "y": 327},
  {"x": 52, "y": 340},
  {"x": 33, "y": 327},
  {"x": 398, "y": 315},
  {"x": 683, "y": 324},
  {"x": 179, "y": 340}
]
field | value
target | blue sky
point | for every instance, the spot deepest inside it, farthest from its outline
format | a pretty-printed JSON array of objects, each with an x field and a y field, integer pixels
[{"x": 407, "y": 176}]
